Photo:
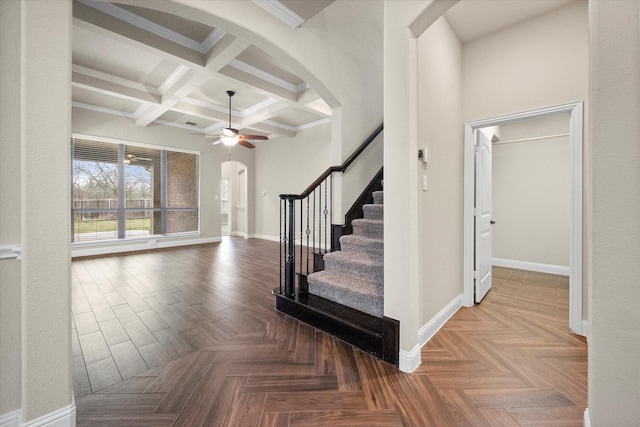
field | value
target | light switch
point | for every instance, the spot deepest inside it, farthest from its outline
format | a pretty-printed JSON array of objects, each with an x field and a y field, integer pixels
[{"x": 424, "y": 182}]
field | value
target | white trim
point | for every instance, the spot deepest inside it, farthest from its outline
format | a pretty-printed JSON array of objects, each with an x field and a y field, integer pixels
[
  {"x": 180, "y": 71},
  {"x": 264, "y": 237},
  {"x": 587, "y": 420},
  {"x": 281, "y": 12},
  {"x": 63, "y": 417},
  {"x": 239, "y": 234},
  {"x": 585, "y": 329},
  {"x": 102, "y": 110},
  {"x": 531, "y": 266},
  {"x": 10, "y": 419},
  {"x": 575, "y": 232},
  {"x": 410, "y": 360},
  {"x": 132, "y": 143},
  {"x": 212, "y": 39},
  {"x": 10, "y": 252},
  {"x": 427, "y": 332},
  {"x": 138, "y": 245}
]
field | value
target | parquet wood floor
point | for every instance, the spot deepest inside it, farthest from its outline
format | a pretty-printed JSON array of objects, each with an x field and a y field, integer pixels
[{"x": 189, "y": 337}]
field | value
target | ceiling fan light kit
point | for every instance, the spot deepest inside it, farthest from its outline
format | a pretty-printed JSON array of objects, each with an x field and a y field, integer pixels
[{"x": 230, "y": 136}]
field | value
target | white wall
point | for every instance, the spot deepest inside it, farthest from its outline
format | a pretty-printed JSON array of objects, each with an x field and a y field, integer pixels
[
  {"x": 614, "y": 230},
  {"x": 538, "y": 63},
  {"x": 35, "y": 101},
  {"x": 440, "y": 207},
  {"x": 530, "y": 189},
  {"x": 10, "y": 190}
]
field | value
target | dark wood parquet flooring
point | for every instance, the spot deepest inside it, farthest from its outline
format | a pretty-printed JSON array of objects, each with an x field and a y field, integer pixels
[{"x": 188, "y": 336}]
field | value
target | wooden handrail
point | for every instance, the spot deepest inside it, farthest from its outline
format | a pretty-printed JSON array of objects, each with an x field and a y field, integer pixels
[{"x": 343, "y": 167}]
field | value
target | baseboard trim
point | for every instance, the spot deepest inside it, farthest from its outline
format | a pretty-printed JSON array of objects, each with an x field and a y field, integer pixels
[
  {"x": 264, "y": 237},
  {"x": 432, "y": 326},
  {"x": 410, "y": 360},
  {"x": 10, "y": 419},
  {"x": 531, "y": 266},
  {"x": 587, "y": 421},
  {"x": 63, "y": 417},
  {"x": 585, "y": 329},
  {"x": 140, "y": 245}
]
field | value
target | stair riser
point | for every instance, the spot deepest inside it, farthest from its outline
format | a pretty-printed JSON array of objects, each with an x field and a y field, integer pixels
[
  {"x": 373, "y": 212},
  {"x": 373, "y": 251},
  {"x": 378, "y": 197},
  {"x": 369, "y": 304},
  {"x": 368, "y": 229}
]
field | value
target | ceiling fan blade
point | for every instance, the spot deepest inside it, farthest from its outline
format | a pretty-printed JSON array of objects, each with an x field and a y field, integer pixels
[
  {"x": 245, "y": 143},
  {"x": 144, "y": 159},
  {"x": 256, "y": 137},
  {"x": 216, "y": 142},
  {"x": 206, "y": 135}
]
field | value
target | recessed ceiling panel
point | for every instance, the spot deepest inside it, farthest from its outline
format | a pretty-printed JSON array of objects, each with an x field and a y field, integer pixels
[
  {"x": 191, "y": 29},
  {"x": 181, "y": 118},
  {"x": 214, "y": 91},
  {"x": 261, "y": 60},
  {"x": 296, "y": 118},
  {"x": 113, "y": 56},
  {"x": 101, "y": 100}
]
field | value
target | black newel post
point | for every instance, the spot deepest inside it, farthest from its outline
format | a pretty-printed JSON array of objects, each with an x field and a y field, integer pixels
[{"x": 290, "y": 262}]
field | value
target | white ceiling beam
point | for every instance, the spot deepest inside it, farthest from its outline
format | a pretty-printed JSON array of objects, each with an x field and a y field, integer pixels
[
  {"x": 112, "y": 89},
  {"x": 225, "y": 51},
  {"x": 172, "y": 96},
  {"x": 199, "y": 110}
]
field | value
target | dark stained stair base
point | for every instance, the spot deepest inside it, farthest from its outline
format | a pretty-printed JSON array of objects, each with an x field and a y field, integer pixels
[{"x": 379, "y": 336}]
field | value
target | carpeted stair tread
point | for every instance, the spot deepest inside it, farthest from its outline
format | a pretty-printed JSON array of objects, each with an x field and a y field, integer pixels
[
  {"x": 352, "y": 291},
  {"x": 365, "y": 267},
  {"x": 368, "y": 227},
  {"x": 354, "y": 276},
  {"x": 375, "y": 211},
  {"x": 367, "y": 246}
]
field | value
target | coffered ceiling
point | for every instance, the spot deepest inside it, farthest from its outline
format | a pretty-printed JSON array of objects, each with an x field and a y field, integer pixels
[
  {"x": 153, "y": 67},
  {"x": 157, "y": 68}
]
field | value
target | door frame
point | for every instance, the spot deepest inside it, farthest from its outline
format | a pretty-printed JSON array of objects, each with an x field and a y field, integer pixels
[{"x": 575, "y": 110}]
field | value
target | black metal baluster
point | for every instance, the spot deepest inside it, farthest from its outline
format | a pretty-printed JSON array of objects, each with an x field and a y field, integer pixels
[
  {"x": 308, "y": 232},
  {"x": 290, "y": 264},
  {"x": 300, "y": 267},
  {"x": 281, "y": 227},
  {"x": 325, "y": 212}
]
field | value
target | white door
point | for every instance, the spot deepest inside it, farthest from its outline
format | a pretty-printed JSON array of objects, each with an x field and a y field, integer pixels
[{"x": 483, "y": 220}]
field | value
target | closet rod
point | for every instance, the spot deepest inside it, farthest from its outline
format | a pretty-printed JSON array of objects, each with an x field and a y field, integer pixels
[{"x": 535, "y": 138}]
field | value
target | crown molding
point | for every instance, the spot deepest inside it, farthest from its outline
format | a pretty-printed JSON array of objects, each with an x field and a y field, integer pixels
[
  {"x": 281, "y": 12},
  {"x": 270, "y": 78}
]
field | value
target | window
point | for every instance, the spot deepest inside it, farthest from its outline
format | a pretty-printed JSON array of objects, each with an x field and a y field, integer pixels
[{"x": 122, "y": 191}]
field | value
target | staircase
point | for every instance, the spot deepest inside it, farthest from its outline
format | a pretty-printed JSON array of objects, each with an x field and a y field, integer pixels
[
  {"x": 332, "y": 275},
  {"x": 354, "y": 275}
]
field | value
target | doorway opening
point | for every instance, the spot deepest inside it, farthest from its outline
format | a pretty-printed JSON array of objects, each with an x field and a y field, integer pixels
[
  {"x": 574, "y": 113},
  {"x": 233, "y": 199}
]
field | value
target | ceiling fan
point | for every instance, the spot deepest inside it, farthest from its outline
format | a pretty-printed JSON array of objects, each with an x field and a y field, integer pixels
[
  {"x": 132, "y": 158},
  {"x": 230, "y": 136}
]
